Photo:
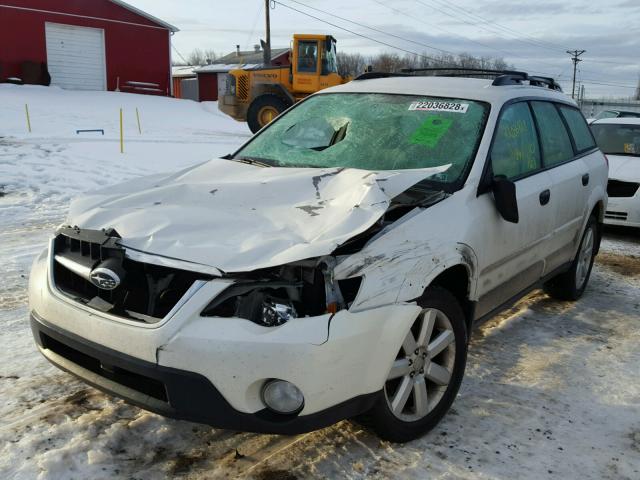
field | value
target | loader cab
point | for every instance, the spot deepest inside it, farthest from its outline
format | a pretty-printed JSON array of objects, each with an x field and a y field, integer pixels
[{"x": 314, "y": 63}]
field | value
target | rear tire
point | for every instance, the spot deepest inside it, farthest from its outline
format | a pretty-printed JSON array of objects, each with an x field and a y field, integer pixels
[
  {"x": 264, "y": 109},
  {"x": 427, "y": 373},
  {"x": 572, "y": 284}
]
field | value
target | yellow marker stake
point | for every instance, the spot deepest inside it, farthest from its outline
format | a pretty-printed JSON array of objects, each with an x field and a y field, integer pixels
[
  {"x": 26, "y": 109},
  {"x": 138, "y": 117},
  {"x": 121, "y": 134}
]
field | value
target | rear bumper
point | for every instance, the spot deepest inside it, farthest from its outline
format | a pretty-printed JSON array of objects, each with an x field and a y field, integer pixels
[{"x": 173, "y": 392}]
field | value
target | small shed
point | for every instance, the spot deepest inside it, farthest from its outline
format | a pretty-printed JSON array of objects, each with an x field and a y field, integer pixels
[
  {"x": 185, "y": 82},
  {"x": 87, "y": 45}
]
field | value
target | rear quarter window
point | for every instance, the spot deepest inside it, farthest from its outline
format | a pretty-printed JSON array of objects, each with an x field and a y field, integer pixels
[
  {"x": 578, "y": 128},
  {"x": 556, "y": 144}
]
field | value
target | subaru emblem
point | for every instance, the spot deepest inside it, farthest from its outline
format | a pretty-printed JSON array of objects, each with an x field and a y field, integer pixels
[{"x": 104, "y": 278}]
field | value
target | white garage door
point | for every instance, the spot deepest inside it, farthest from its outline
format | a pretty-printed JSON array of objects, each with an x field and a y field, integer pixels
[{"x": 75, "y": 56}]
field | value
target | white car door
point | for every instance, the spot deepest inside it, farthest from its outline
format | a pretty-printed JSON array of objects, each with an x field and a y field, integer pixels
[
  {"x": 511, "y": 255},
  {"x": 592, "y": 164},
  {"x": 570, "y": 181}
]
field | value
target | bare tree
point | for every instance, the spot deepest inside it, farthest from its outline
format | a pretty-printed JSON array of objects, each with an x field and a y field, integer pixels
[
  {"x": 201, "y": 57},
  {"x": 353, "y": 64},
  {"x": 637, "y": 97}
]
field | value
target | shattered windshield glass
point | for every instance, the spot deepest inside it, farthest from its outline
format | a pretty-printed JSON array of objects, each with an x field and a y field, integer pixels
[{"x": 373, "y": 132}]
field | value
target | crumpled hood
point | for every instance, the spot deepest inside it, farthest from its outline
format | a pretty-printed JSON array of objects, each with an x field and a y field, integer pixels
[
  {"x": 237, "y": 217},
  {"x": 624, "y": 167}
]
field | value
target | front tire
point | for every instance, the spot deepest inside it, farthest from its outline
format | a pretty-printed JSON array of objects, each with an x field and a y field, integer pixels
[
  {"x": 427, "y": 373},
  {"x": 572, "y": 284},
  {"x": 264, "y": 109}
]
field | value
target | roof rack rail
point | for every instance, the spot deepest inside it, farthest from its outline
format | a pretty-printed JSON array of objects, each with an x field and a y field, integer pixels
[
  {"x": 373, "y": 75},
  {"x": 478, "y": 71},
  {"x": 503, "y": 77}
]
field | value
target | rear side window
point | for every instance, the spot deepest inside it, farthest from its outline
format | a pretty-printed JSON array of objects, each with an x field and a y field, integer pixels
[
  {"x": 579, "y": 128},
  {"x": 515, "y": 151},
  {"x": 556, "y": 144}
]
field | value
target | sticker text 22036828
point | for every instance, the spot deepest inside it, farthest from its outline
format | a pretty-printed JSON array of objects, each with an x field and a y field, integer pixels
[{"x": 440, "y": 106}]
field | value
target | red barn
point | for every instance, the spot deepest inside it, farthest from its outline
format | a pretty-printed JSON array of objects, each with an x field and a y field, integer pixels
[{"x": 86, "y": 45}]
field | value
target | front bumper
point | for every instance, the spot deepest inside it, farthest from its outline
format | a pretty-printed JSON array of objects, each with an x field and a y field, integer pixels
[
  {"x": 339, "y": 362},
  {"x": 623, "y": 211},
  {"x": 172, "y": 392}
]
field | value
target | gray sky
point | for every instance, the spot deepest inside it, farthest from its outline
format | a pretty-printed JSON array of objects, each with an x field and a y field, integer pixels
[{"x": 531, "y": 34}]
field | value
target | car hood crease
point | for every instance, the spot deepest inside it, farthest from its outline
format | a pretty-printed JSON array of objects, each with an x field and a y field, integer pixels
[{"x": 237, "y": 217}]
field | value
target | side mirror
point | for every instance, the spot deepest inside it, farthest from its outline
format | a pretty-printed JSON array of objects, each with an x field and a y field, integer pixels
[{"x": 504, "y": 194}]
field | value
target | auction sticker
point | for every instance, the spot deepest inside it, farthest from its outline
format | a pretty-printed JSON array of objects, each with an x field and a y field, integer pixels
[{"x": 440, "y": 107}]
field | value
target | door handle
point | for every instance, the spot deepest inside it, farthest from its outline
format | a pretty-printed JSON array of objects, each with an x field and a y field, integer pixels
[
  {"x": 585, "y": 179},
  {"x": 545, "y": 197}
]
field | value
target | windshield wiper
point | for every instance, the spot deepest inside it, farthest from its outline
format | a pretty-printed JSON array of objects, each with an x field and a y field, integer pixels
[{"x": 261, "y": 162}]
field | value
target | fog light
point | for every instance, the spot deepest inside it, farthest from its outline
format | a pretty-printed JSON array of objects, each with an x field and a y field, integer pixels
[{"x": 282, "y": 397}]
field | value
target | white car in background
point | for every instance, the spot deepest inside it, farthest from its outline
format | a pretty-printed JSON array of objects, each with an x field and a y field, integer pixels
[
  {"x": 614, "y": 114},
  {"x": 334, "y": 265},
  {"x": 619, "y": 139}
]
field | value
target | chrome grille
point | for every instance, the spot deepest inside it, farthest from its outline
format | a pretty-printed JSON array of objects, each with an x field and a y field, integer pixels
[{"x": 147, "y": 292}]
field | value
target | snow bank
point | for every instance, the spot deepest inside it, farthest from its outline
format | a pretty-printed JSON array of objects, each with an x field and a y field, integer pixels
[
  {"x": 59, "y": 113},
  {"x": 40, "y": 172}
]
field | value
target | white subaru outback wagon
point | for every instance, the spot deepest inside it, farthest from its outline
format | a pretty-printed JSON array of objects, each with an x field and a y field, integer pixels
[{"x": 335, "y": 265}]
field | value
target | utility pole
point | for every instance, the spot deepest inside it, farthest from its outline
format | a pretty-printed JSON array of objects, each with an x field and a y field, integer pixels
[
  {"x": 575, "y": 54},
  {"x": 266, "y": 45}
]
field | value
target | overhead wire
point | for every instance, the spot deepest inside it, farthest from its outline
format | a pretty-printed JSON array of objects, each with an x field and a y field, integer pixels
[
  {"x": 466, "y": 39},
  {"x": 353, "y": 32},
  {"x": 520, "y": 36},
  {"x": 534, "y": 42},
  {"x": 247, "y": 43},
  {"x": 396, "y": 47},
  {"x": 179, "y": 54},
  {"x": 373, "y": 28}
]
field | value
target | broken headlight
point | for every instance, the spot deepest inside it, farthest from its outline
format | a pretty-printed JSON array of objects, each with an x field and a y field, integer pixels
[{"x": 274, "y": 296}]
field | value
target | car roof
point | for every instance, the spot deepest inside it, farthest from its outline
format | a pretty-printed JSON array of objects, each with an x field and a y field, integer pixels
[
  {"x": 448, "y": 87},
  {"x": 618, "y": 121}
]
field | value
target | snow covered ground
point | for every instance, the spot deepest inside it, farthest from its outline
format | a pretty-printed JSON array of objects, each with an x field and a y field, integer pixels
[{"x": 552, "y": 389}]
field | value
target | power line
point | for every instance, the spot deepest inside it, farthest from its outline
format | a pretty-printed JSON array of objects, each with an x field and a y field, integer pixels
[
  {"x": 440, "y": 2},
  {"x": 179, "y": 54},
  {"x": 626, "y": 64},
  {"x": 529, "y": 39},
  {"x": 595, "y": 82},
  {"x": 592, "y": 82},
  {"x": 373, "y": 28},
  {"x": 352, "y": 32},
  {"x": 253, "y": 28},
  {"x": 466, "y": 39}
]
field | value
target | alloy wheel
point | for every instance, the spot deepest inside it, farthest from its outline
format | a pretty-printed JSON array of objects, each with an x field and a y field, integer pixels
[
  {"x": 423, "y": 367},
  {"x": 585, "y": 256}
]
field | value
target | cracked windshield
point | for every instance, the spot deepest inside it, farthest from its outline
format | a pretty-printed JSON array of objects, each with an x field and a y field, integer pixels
[{"x": 374, "y": 132}]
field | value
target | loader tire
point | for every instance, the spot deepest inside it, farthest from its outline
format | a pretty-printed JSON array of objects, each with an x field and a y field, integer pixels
[{"x": 264, "y": 109}]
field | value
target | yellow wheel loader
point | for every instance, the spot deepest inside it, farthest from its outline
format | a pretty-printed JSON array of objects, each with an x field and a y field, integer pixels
[{"x": 257, "y": 96}]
